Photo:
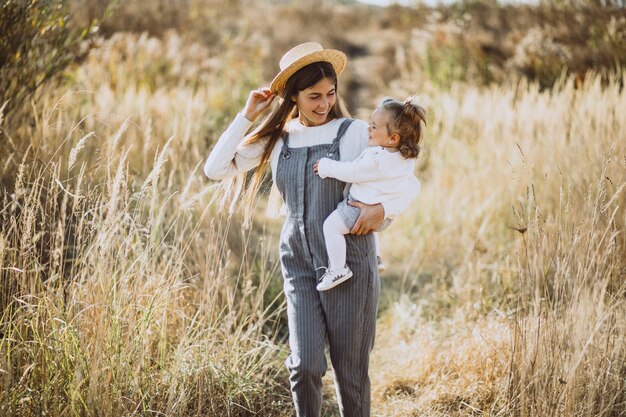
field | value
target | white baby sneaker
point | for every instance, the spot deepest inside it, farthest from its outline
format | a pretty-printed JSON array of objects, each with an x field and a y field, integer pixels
[{"x": 334, "y": 277}]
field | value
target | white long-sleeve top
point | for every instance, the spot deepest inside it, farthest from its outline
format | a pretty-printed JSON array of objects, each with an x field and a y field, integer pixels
[
  {"x": 232, "y": 155},
  {"x": 377, "y": 176}
]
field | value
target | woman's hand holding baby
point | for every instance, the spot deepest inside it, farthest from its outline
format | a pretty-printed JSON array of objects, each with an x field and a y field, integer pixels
[{"x": 370, "y": 219}]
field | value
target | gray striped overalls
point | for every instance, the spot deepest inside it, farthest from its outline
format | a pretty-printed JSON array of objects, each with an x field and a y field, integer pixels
[{"x": 346, "y": 314}]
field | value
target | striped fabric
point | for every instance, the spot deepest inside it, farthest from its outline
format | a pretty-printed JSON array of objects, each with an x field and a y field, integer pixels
[{"x": 344, "y": 315}]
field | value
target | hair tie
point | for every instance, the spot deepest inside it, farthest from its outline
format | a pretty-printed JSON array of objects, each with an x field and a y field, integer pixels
[{"x": 411, "y": 101}]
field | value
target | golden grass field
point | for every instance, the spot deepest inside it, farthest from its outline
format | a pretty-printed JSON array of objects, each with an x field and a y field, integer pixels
[{"x": 129, "y": 290}]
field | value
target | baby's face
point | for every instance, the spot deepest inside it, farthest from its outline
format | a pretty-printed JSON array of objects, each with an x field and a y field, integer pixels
[{"x": 378, "y": 134}]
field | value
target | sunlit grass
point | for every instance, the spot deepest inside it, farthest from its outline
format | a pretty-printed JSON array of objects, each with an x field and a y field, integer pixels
[
  {"x": 521, "y": 220},
  {"x": 128, "y": 290},
  {"x": 120, "y": 294}
]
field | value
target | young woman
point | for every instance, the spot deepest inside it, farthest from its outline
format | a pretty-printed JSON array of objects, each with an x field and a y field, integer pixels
[{"x": 308, "y": 124}]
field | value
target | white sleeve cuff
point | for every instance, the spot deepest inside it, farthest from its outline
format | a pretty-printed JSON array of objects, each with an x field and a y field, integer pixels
[
  {"x": 388, "y": 208},
  {"x": 324, "y": 167},
  {"x": 240, "y": 124}
]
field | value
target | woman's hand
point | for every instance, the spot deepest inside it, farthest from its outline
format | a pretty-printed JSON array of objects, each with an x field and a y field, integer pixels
[
  {"x": 370, "y": 219},
  {"x": 258, "y": 101}
]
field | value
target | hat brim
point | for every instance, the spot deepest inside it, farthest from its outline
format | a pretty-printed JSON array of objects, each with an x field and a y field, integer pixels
[{"x": 336, "y": 58}]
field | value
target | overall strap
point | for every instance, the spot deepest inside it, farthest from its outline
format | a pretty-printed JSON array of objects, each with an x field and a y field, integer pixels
[
  {"x": 340, "y": 132},
  {"x": 284, "y": 152}
]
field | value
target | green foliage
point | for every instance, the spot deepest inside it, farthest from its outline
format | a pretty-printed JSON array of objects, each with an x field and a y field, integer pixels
[
  {"x": 37, "y": 41},
  {"x": 446, "y": 64},
  {"x": 592, "y": 39},
  {"x": 481, "y": 42}
]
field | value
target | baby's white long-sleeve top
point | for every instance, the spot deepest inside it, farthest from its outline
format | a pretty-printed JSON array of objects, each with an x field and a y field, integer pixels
[
  {"x": 377, "y": 176},
  {"x": 232, "y": 155}
]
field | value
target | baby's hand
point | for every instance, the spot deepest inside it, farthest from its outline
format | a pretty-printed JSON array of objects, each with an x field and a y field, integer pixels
[{"x": 316, "y": 165}]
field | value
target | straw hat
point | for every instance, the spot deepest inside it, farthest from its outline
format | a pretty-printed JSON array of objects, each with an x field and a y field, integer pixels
[{"x": 303, "y": 55}]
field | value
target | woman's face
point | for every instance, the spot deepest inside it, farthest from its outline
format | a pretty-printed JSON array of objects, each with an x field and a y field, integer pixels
[{"x": 314, "y": 103}]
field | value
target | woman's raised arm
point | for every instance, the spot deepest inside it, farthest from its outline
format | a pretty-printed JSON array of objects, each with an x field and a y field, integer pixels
[{"x": 231, "y": 155}]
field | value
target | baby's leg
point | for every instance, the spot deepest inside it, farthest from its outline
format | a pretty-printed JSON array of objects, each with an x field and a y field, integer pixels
[{"x": 334, "y": 231}]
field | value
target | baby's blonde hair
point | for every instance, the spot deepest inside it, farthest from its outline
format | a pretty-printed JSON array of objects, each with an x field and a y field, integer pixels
[{"x": 406, "y": 120}]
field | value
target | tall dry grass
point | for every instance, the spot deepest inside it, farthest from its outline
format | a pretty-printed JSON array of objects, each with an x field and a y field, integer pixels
[
  {"x": 516, "y": 248},
  {"x": 120, "y": 295},
  {"x": 126, "y": 290}
]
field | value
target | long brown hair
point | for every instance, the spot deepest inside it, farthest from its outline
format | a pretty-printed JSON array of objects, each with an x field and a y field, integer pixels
[{"x": 271, "y": 128}]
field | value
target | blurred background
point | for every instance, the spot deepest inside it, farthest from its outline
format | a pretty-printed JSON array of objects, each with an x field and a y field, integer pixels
[{"x": 127, "y": 287}]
